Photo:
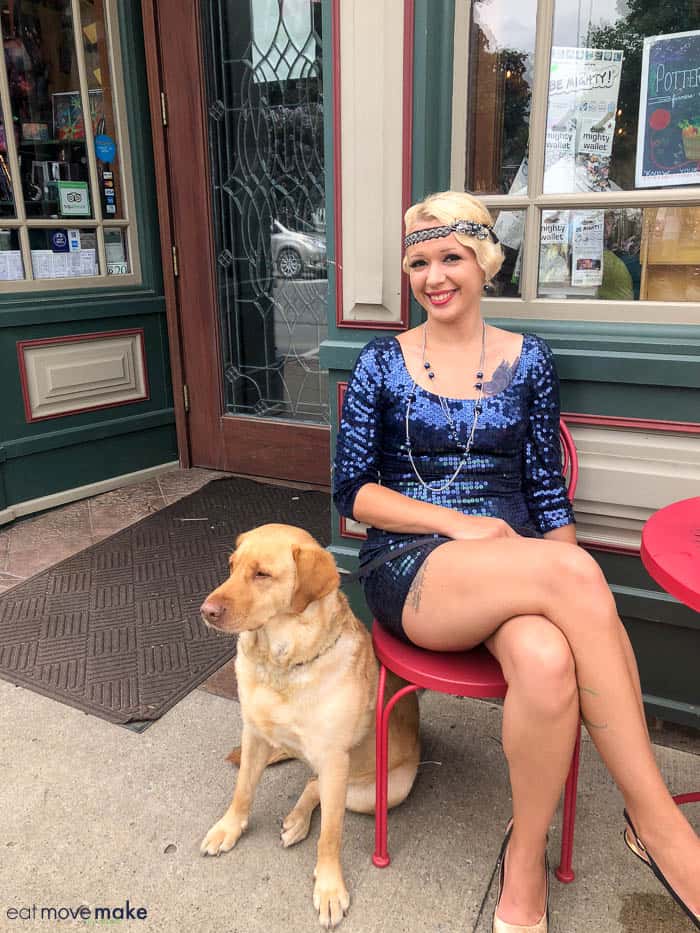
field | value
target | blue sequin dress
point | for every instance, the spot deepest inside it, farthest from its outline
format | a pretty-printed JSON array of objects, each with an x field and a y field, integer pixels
[{"x": 513, "y": 471}]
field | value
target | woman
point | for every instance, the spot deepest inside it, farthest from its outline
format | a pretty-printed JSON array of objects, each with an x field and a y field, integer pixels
[{"x": 449, "y": 451}]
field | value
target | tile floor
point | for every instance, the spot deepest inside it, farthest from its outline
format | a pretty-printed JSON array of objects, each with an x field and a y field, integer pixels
[{"x": 31, "y": 544}]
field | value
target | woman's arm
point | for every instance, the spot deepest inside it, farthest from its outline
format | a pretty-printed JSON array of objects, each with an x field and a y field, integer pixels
[
  {"x": 566, "y": 533},
  {"x": 390, "y": 510},
  {"x": 544, "y": 486},
  {"x": 357, "y": 492}
]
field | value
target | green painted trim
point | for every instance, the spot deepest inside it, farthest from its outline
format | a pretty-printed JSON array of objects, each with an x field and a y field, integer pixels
[
  {"x": 685, "y": 714},
  {"x": 328, "y": 26},
  {"x": 640, "y": 339},
  {"x": 68, "y": 437},
  {"x": 595, "y": 331},
  {"x": 664, "y": 636},
  {"x": 62, "y": 468},
  {"x": 615, "y": 366},
  {"x": 658, "y": 403},
  {"x": 141, "y": 142},
  {"x": 649, "y": 606},
  {"x": 609, "y": 364},
  {"x": 82, "y": 309},
  {"x": 433, "y": 50},
  {"x": 341, "y": 354},
  {"x": 432, "y": 95}
]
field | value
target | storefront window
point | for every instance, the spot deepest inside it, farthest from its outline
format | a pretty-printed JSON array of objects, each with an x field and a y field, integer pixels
[
  {"x": 671, "y": 241},
  {"x": 603, "y": 158},
  {"x": 69, "y": 218},
  {"x": 60, "y": 254},
  {"x": 508, "y": 226},
  {"x": 597, "y": 83},
  {"x": 7, "y": 201},
  {"x": 116, "y": 250},
  {"x": 501, "y": 48},
  {"x": 11, "y": 265},
  {"x": 99, "y": 85}
]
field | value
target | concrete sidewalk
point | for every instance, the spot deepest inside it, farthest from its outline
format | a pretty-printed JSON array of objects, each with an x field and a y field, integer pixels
[{"x": 95, "y": 814}]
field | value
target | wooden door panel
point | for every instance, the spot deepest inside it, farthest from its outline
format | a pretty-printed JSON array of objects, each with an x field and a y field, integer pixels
[{"x": 249, "y": 445}]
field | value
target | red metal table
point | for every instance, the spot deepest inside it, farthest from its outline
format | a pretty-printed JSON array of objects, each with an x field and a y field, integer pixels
[
  {"x": 671, "y": 554},
  {"x": 671, "y": 550}
]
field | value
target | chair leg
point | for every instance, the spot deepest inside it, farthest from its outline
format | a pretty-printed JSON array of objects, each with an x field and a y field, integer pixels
[
  {"x": 565, "y": 872},
  {"x": 381, "y": 855},
  {"x": 381, "y": 801}
]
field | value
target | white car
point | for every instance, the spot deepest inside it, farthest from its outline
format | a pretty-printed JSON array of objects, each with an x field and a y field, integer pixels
[{"x": 294, "y": 253}]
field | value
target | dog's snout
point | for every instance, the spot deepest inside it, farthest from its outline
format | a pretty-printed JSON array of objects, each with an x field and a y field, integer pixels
[{"x": 211, "y": 611}]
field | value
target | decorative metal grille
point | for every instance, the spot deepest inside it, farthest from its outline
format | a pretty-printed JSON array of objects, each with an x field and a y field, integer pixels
[{"x": 265, "y": 103}]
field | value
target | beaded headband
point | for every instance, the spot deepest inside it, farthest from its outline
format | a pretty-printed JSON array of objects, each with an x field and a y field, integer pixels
[{"x": 465, "y": 227}]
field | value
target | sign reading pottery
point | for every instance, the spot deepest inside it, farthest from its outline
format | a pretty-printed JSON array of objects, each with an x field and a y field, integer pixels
[
  {"x": 668, "y": 139},
  {"x": 583, "y": 90}
]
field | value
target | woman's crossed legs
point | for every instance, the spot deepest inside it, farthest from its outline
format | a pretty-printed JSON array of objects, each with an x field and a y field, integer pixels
[{"x": 545, "y": 611}]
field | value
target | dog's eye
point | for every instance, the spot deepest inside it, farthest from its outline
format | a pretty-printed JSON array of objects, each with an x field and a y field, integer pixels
[{"x": 261, "y": 575}]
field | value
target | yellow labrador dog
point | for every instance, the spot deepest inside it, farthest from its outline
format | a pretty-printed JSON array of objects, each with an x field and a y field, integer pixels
[{"x": 307, "y": 682}]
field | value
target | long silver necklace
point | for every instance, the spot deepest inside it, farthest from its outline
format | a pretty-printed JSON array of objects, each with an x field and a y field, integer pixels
[{"x": 454, "y": 436}]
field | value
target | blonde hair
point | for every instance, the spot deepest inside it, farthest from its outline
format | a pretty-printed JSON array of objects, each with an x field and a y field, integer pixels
[{"x": 448, "y": 206}]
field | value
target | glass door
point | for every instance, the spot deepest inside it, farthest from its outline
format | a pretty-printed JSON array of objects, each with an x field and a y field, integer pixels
[
  {"x": 264, "y": 95},
  {"x": 245, "y": 139}
]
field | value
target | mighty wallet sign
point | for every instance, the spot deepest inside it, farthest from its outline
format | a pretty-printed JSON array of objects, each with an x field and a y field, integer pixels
[{"x": 583, "y": 91}]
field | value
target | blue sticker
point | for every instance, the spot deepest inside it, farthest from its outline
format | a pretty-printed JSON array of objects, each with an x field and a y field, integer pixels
[
  {"x": 105, "y": 148},
  {"x": 59, "y": 241}
]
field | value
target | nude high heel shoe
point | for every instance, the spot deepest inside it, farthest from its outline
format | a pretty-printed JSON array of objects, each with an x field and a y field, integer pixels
[
  {"x": 500, "y": 926},
  {"x": 635, "y": 844}
]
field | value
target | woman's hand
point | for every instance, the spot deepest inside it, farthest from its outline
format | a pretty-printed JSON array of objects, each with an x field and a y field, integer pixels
[
  {"x": 478, "y": 527},
  {"x": 384, "y": 508}
]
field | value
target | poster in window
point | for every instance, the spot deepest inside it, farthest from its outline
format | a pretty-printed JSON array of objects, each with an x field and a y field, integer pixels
[
  {"x": 583, "y": 89},
  {"x": 555, "y": 256},
  {"x": 587, "y": 240},
  {"x": 668, "y": 140},
  {"x": 68, "y": 113}
]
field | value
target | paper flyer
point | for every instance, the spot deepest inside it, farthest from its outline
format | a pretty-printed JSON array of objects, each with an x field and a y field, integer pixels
[
  {"x": 583, "y": 91},
  {"x": 555, "y": 254},
  {"x": 11, "y": 268},
  {"x": 587, "y": 236},
  {"x": 49, "y": 265}
]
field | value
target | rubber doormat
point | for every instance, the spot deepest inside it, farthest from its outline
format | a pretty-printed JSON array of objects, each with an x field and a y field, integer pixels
[{"x": 115, "y": 630}]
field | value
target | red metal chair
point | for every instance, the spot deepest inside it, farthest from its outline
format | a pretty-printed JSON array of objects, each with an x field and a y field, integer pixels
[{"x": 473, "y": 673}]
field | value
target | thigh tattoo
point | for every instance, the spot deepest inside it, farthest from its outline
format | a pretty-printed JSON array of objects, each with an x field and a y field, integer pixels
[{"x": 416, "y": 588}]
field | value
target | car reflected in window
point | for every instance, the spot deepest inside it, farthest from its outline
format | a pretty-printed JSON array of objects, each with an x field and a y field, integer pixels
[{"x": 296, "y": 254}]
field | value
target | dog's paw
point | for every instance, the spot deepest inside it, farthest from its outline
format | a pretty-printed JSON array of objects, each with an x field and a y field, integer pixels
[
  {"x": 295, "y": 827},
  {"x": 222, "y": 836},
  {"x": 331, "y": 898}
]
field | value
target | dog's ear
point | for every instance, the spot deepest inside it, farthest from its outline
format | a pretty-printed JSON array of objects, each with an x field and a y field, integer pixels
[
  {"x": 240, "y": 539},
  {"x": 317, "y": 576}
]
